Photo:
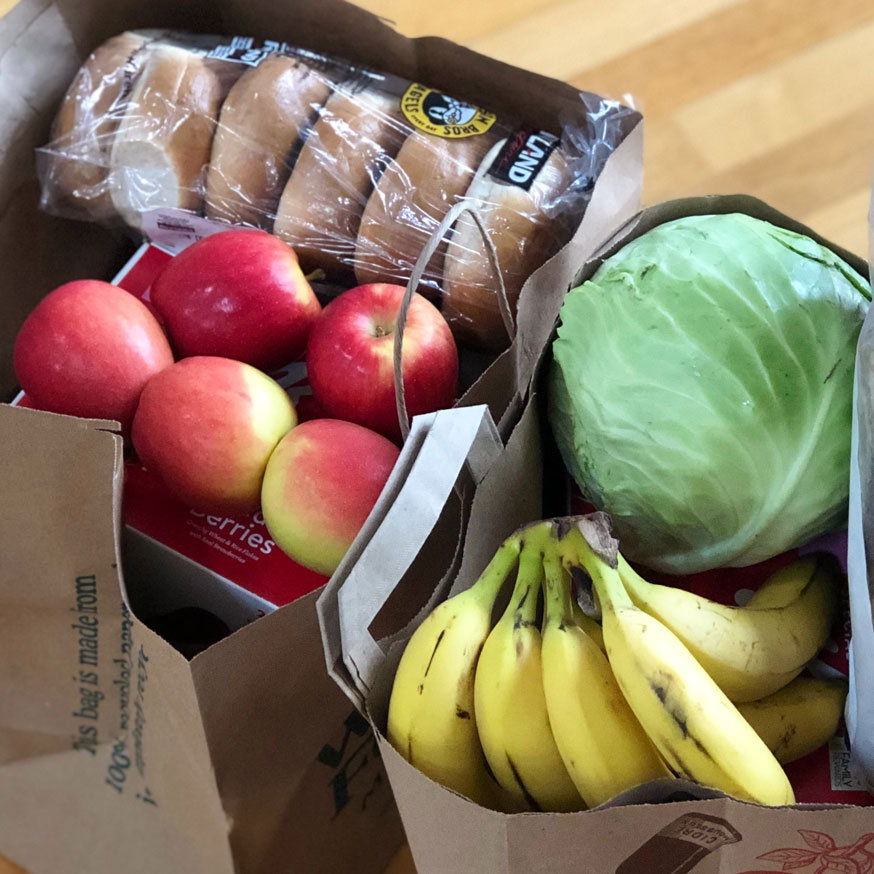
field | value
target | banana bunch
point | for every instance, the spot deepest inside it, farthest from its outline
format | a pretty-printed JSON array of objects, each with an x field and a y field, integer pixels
[
  {"x": 510, "y": 701},
  {"x": 431, "y": 715},
  {"x": 545, "y": 709},
  {"x": 755, "y": 650}
]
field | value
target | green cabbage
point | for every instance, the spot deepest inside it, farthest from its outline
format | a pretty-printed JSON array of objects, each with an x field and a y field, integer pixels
[{"x": 701, "y": 390}]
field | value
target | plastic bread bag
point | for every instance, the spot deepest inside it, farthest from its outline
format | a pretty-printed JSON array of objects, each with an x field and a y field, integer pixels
[
  {"x": 387, "y": 159},
  {"x": 135, "y": 127},
  {"x": 76, "y": 168},
  {"x": 354, "y": 168}
]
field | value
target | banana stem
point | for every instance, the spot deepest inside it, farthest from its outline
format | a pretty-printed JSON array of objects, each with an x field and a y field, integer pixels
[
  {"x": 575, "y": 552},
  {"x": 523, "y": 603},
  {"x": 631, "y": 577},
  {"x": 609, "y": 589},
  {"x": 558, "y": 609},
  {"x": 491, "y": 580}
]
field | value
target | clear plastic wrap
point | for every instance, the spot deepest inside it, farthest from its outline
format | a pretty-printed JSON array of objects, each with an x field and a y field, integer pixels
[{"x": 355, "y": 169}]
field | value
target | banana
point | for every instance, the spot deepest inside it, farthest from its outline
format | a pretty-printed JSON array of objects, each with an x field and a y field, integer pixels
[
  {"x": 799, "y": 718},
  {"x": 696, "y": 729},
  {"x": 511, "y": 711},
  {"x": 781, "y": 588},
  {"x": 755, "y": 650},
  {"x": 602, "y": 744},
  {"x": 592, "y": 628},
  {"x": 431, "y": 716}
]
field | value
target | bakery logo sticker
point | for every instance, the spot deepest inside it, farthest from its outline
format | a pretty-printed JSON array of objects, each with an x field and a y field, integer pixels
[
  {"x": 680, "y": 846},
  {"x": 523, "y": 156},
  {"x": 436, "y": 113},
  {"x": 821, "y": 856}
]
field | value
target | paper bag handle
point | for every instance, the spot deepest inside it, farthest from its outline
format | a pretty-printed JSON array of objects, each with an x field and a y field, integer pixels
[
  {"x": 439, "y": 448},
  {"x": 425, "y": 256}
]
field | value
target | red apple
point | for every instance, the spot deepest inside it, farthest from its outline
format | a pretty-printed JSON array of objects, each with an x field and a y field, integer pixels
[
  {"x": 350, "y": 358},
  {"x": 237, "y": 294},
  {"x": 87, "y": 349},
  {"x": 319, "y": 487},
  {"x": 207, "y": 426}
]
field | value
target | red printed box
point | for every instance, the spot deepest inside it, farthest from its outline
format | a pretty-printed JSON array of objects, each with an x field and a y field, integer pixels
[{"x": 238, "y": 550}]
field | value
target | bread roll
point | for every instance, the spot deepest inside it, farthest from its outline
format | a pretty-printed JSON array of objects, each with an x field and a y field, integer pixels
[
  {"x": 261, "y": 122},
  {"x": 76, "y": 167},
  {"x": 162, "y": 147},
  {"x": 413, "y": 195},
  {"x": 524, "y": 234},
  {"x": 347, "y": 149}
]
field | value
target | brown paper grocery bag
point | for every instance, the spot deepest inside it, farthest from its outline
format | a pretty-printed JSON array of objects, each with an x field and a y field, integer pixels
[
  {"x": 671, "y": 826},
  {"x": 43, "y": 42},
  {"x": 113, "y": 747},
  {"x": 297, "y": 792},
  {"x": 104, "y": 764},
  {"x": 298, "y": 772}
]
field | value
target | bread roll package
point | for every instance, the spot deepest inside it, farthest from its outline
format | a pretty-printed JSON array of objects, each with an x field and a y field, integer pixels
[
  {"x": 85, "y": 127},
  {"x": 355, "y": 169},
  {"x": 262, "y": 120}
]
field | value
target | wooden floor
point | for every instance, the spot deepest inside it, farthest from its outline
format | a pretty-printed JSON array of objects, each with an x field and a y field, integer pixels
[
  {"x": 768, "y": 97},
  {"x": 773, "y": 98}
]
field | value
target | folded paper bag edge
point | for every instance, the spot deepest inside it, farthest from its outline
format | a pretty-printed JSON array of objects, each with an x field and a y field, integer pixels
[{"x": 458, "y": 437}]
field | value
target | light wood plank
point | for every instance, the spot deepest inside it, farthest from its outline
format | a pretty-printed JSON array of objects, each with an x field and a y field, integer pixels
[
  {"x": 458, "y": 20},
  {"x": 833, "y": 161},
  {"x": 769, "y": 109},
  {"x": 563, "y": 39},
  {"x": 672, "y": 166},
  {"x": 797, "y": 178},
  {"x": 698, "y": 59}
]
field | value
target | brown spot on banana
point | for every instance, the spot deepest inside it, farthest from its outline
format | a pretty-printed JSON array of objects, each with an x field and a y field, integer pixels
[
  {"x": 434, "y": 651},
  {"x": 679, "y": 717},
  {"x": 529, "y": 798}
]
